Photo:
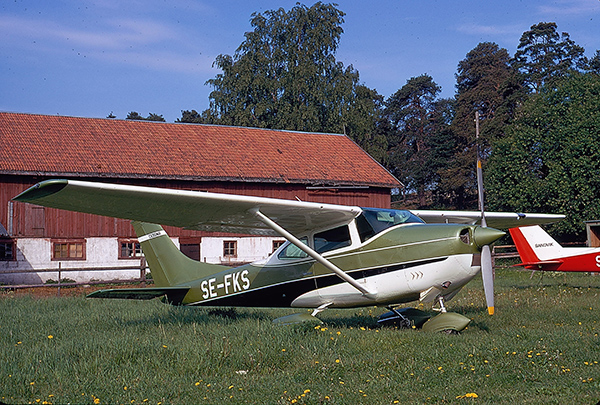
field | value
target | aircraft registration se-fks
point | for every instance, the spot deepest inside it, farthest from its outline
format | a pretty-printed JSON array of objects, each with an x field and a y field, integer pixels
[{"x": 335, "y": 256}]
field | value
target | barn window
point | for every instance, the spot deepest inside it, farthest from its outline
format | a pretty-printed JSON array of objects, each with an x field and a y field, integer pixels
[
  {"x": 7, "y": 250},
  {"x": 277, "y": 244},
  {"x": 229, "y": 248},
  {"x": 129, "y": 249},
  {"x": 68, "y": 250}
]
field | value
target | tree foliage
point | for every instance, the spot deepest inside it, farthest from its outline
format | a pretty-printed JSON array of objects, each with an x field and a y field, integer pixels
[
  {"x": 410, "y": 111},
  {"x": 488, "y": 84},
  {"x": 133, "y": 115},
  {"x": 284, "y": 74},
  {"x": 544, "y": 55},
  {"x": 550, "y": 162}
]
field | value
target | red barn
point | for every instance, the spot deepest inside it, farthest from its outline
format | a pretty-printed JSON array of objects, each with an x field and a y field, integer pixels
[{"x": 317, "y": 167}]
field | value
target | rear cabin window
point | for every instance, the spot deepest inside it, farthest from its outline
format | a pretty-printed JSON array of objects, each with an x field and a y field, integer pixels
[{"x": 332, "y": 239}]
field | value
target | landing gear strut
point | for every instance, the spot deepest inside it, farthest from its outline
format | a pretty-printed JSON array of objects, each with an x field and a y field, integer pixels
[
  {"x": 442, "y": 307},
  {"x": 400, "y": 320}
]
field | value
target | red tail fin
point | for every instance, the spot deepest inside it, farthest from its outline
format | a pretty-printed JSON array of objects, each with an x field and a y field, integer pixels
[{"x": 523, "y": 247}]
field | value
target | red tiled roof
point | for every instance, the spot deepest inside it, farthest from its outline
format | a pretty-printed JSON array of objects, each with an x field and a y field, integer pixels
[{"x": 94, "y": 147}]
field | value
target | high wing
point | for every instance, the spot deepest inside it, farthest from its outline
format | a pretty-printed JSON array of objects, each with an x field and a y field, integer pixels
[
  {"x": 187, "y": 209},
  {"x": 501, "y": 220}
]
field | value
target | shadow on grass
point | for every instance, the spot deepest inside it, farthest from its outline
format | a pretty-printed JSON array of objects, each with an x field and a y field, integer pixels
[
  {"x": 204, "y": 316},
  {"x": 353, "y": 321}
]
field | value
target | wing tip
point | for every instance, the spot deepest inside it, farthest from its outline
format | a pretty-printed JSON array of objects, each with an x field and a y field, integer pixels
[{"x": 41, "y": 190}]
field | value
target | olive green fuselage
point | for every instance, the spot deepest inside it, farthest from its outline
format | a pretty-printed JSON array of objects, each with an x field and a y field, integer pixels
[{"x": 405, "y": 263}]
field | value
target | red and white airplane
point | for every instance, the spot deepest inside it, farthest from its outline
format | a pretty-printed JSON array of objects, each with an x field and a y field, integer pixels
[{"x": 539, "y": 251}]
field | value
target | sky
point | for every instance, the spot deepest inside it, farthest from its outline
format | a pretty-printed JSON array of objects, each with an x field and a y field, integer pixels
[{"x": 91, "y": 58}]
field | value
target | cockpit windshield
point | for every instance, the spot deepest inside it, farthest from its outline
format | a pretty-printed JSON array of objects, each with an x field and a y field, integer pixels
[{"x": 375, "y": 220}]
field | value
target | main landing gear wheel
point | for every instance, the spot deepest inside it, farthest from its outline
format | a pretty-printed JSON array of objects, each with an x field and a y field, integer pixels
[{"x": 404, "y": 318}]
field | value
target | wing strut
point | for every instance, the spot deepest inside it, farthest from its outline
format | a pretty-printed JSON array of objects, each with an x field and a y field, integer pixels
[{"x": 311, "y": 252}]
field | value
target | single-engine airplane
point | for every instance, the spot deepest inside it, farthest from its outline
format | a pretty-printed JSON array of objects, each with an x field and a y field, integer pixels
[
  {"x": 539, "y": 251},
  {"x": 335, "y": 256}
]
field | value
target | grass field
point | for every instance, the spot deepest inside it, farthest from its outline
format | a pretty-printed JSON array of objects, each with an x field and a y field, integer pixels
[{"x": 541, "y": 347}]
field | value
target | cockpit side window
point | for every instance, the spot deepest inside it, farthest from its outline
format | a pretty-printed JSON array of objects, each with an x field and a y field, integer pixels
[
  {"x": 332, "y": 239},
  {"x": 291, "y": 251},
  {"x": 373, "y": 220}
]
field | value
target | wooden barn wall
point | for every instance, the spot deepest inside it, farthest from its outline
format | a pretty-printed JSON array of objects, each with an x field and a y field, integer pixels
[{"x": 33, "y": 221}]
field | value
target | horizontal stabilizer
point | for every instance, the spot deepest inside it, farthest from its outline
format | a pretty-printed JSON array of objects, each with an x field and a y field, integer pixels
[
  {"x": 174, "y": 294},
  {"x": 541, "y": 265}
]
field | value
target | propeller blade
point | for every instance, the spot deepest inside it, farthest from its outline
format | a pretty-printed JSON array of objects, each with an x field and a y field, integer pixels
[
  {"x": 487, "y": 270},
  {"x": 487, "y": 274}
]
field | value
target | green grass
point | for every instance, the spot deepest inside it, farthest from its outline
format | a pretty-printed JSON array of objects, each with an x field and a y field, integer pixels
[{"x": 541, "y": 347}]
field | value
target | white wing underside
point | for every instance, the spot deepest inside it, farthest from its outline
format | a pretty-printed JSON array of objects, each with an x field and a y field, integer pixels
[
  {"x": 188, "y": 209},
  {"x": 229, "y": 213},
  {"x": 501, "y": 220}
]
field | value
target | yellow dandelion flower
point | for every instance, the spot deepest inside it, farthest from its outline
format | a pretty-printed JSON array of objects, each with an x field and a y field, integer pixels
[
  {"x": 469, "y": 395},
  {"x": 96, "y": 400},
  {"x": 50, "y": 337}
]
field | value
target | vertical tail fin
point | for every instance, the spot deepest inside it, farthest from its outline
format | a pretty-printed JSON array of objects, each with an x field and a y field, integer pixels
[
  {"x": 168, "y": 265},
  {"x": 534, "y": 244}
]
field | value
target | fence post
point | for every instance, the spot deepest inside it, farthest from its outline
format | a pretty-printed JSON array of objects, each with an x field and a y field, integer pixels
[
  {"x": 59, "y": 275},
  {"x": 143, "y": 271}
]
